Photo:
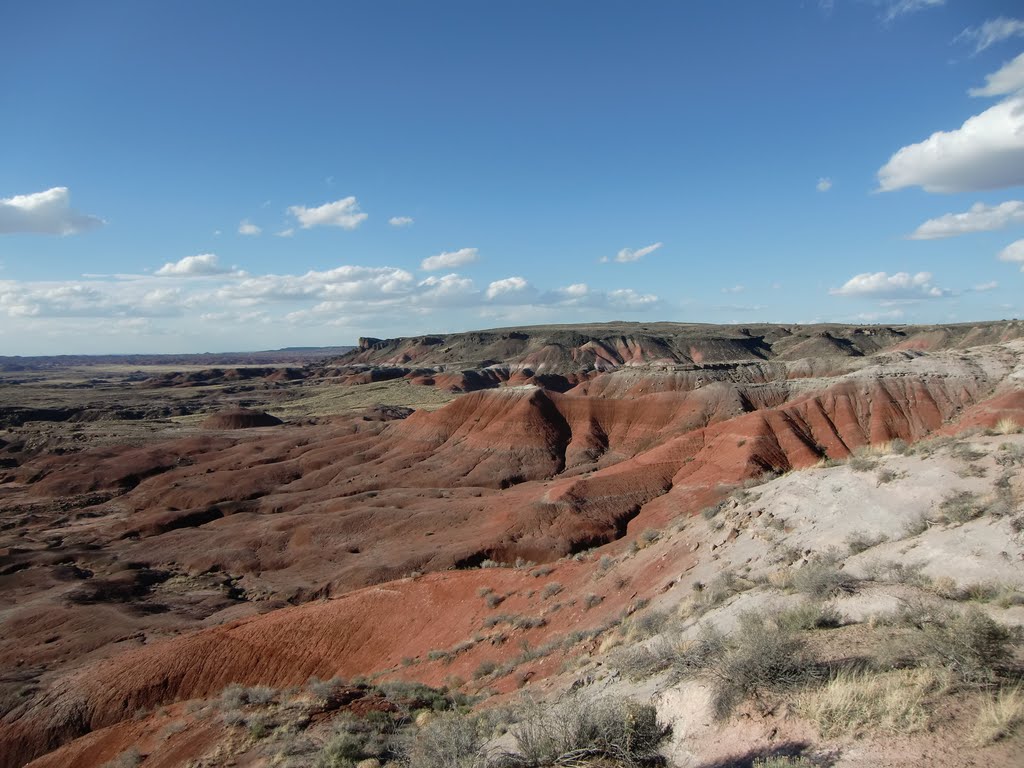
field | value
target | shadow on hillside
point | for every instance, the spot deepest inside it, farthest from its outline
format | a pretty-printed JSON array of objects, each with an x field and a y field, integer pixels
[{"x": 785, "y": 749}]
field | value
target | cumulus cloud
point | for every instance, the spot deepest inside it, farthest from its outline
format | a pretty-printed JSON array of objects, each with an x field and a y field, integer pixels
[
  {"x": 344, "y": 282},
  {"x": 896, "y": 8},
  {"x": 627, "y": 255},
  {"x": 1006, "y": 80},
  {"x": 986, "y": 152},
  {"x": 288, "y": 232},
  {"x": 248, "y": 228},
  {"x": 447, "y": 289},
  {"x": 45, "y": 213},
  {"x": 510, "y": 285},
  {"x": 991, "y": 32},
  {"x": 882, "y": 285},
  {"x": 980, "y": 218},
  {"x": 342, "y": 213},
  {"x": 1014, "y": 252},
  {"x": 202, "y": 265},
  {"x": 401, "y": 221},
  {"x": 824, "y": 184},
  {"x": 450, "y": 259},
  {"x": 734, "y": 289}
]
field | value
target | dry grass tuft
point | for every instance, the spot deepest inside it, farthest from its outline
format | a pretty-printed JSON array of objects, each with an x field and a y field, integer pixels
[
  {"x": 1000, "y": 717},
  {"x": 854, "y": 702},
  {"x": 1008, "y": 427}
]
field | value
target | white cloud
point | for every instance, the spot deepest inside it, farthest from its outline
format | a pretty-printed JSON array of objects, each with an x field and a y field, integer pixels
[
  {"x": 400, "y": 221},
  {"x": 45, "y": 213},
  {"x": 882, "y": 285},
  {"x": 1006, "y": 80},
  {"x": 734, "y": 289},
  {"x": 450, "y": 260},
  {"x": 980, "y": 218},
  {"x": 248, "y": 228},
  {"x": 627, "y": 298},
  {"x": 991, "y": 32},
  {"x": 1014, "y": 252},
  {"x": 983, "y": 287},
  {"x": 824, "y": 184},
  {"x": 627, "y": 255},
  {"x": 986, "y": 152},
  {"x": 510, "y": 285},
  {"x": 897, "y": 8},
  {"x": 342, "y": 213},
  {"x": 341, "y": 283},
  {"x": 447, "y": 289},
  {"x": 285, "y": 232},
  {"x": 193, "y": 266}
]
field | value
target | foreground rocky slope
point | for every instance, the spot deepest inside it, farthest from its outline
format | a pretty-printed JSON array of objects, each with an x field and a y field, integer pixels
[{"x": 137, "y": 577}]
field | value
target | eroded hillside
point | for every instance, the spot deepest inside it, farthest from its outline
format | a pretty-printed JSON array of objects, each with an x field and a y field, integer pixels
[{"x": 137, "y": 577}]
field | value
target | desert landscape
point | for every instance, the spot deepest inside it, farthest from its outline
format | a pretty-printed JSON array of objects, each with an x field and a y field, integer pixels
[
  {"x": 493, "y": 384},
  {"x": 607, "y": 544}
]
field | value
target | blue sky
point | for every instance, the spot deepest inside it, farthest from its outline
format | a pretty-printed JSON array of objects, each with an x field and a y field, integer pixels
[{"x": 196, "y": 176}]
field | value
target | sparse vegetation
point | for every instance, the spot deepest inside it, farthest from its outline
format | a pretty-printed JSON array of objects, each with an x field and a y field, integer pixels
[
  {"x": 551, "y": 589},
  {"x": 1000, "y": 716},
  {"x": 582, "y": 728},
  {"x": 810, "y": 615},
  {"x": 760, "y": 657},
  {"x": 852, "y": 702},
  {"x": 961, "y": 507},
  {"x": 821, "y": 577},
  {"x": 859, "y": 541}
]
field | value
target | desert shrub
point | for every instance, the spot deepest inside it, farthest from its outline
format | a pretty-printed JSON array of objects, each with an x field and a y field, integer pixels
[
  {"x": 449, "y": 741},
  {"x": 853, "y": 702},
  {"x": 861, "y": 463},
  {"x": 640, "y": 661},
  {"x": 884, "y": 476},
  {"x": 357, "y": 738},
  {"x": 859, "y": 541},
  {"x": 717, "y": 591},
  {"x": 235, "y": 696},
  {"x": 484, "y": 669},
  {"x": 896, "y": 572},
  {"x": 493, "y": 600},
  {"x": 709, "y": 512},
  {"x": 970, "y": 643},
  {"x": 917, "y": 525},
  {"x": 605, "y": 563},
  {"x": 643, "y": 625},
  {"x": 961, "y": 507},
  {"x": 966, "y": 452},
  {"x": 899, "y": 446},
  {"x": 821, "y": 577},
  {"x": 592, "y": 601},
  {"x": 581, "y": 728},
  {"x": 650, "y": 535},
  {"x": 759, "y": 657},
  {"x": 810, "y": 615},
  {"x": 544, "y": 570},
  {"x": 551, "y": 589},
  {"x": 528, "y": 622},
  {"x": 1000, "y": 716}
]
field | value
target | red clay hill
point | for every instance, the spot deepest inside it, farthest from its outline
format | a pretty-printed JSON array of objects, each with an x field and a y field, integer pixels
[{"x": 137, "y": 574}]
